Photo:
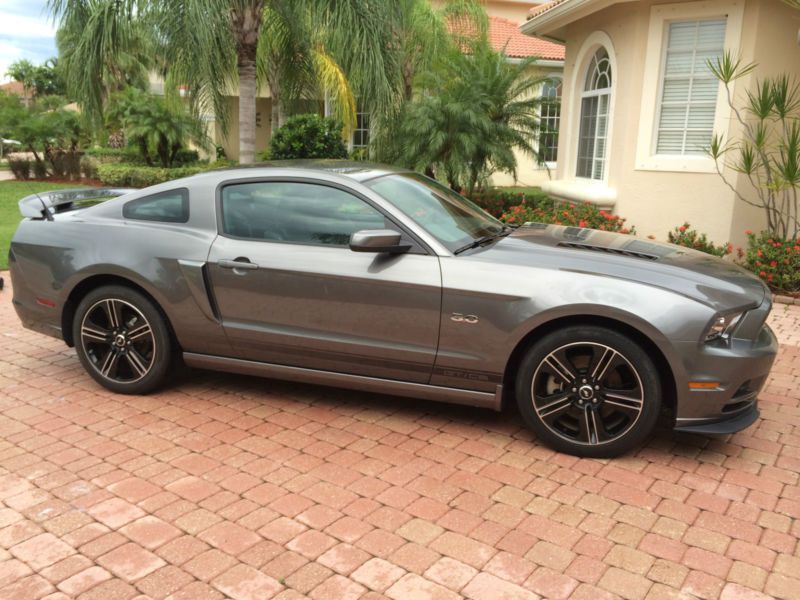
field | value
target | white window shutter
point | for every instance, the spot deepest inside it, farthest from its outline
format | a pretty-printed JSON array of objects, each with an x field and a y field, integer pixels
[{"x": 688, "y": 88}]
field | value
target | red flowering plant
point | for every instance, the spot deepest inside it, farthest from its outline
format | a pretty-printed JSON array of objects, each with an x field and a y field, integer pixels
[
  {"x": 687, "y": 237},
  {"x": 497, "y": 201},
  {"x": 585, "y": 214},
  {"x": 775, "y": 260}
]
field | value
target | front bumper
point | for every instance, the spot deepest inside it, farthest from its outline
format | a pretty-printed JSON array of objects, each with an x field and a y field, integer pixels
[{"x": 741, "y": 368}]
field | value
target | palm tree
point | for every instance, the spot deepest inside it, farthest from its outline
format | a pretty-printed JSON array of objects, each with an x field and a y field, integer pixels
[
  {"x": 295, "y": 63},
  {"x": 211, "y": 45},
  {"x": 23, "y": 71},
  {"x": 473, "y": 111},
  {"x": 104, "y": 47}
]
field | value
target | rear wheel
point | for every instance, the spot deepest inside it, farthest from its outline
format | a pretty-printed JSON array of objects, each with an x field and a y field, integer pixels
[
  {"x": 589, "y": 391},
  {"x": 122, "y": 340}
]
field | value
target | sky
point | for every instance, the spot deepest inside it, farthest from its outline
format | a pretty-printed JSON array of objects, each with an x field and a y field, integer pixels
[{"x": 26, "y": 31}]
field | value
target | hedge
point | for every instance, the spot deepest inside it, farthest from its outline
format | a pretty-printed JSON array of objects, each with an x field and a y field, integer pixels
[{"x": 140, "y": 176}]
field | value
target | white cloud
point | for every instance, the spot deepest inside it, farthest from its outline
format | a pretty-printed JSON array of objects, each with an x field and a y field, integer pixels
[
  {"x": 26, "y": 31},
  {"x": 8, "y": 54},
  {"x": 23, "y": 26}
]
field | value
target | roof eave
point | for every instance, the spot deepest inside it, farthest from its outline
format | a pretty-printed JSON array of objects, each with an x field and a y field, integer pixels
[
  {"x": 539, "y": 62},
  {"x": 550, "y": 23}
]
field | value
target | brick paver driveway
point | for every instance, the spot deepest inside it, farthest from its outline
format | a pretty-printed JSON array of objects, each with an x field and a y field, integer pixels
[{"x": 248, "y": 488}]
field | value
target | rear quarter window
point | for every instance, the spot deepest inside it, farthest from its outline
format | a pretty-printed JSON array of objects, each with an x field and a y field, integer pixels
[{"x": 165, "y": 207}]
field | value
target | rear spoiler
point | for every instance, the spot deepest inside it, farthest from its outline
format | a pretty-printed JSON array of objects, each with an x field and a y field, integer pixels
[{"x": 44, "y": 205}]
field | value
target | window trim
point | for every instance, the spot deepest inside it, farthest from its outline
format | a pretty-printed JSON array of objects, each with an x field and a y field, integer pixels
[
  {"x": 653, "y": 74},
  {"x": 595, "y": 93},
  {"x": 184, "y": 192},
  {"x": 418, "y": 245},
  {"x": 571, "y": 124},
  {"x": 557, "y": 78}
]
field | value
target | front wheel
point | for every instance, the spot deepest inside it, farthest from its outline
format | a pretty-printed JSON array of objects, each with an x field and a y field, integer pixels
[
  {"x": 589, "y": 391},
  {"x": 122, "y": 340}
]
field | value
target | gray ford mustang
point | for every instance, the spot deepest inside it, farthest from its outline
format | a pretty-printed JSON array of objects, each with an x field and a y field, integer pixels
[{"x": 364, "y": 276}]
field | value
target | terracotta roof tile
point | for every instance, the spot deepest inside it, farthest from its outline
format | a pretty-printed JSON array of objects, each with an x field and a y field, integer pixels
[
  {"x": 13, "y": 87},
  {"x": 543, "y": 8},
  {"x": 505, "y": 35}
]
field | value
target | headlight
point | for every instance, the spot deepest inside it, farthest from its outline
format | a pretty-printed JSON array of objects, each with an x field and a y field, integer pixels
[{"x": 722, "y": 326}]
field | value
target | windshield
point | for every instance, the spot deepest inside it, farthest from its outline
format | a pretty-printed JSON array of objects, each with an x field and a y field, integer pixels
[{"x": 451, "y": 218}]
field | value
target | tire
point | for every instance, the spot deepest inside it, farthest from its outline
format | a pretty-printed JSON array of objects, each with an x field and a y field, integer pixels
[
  {"x": 130, "y": 352},
  {"x": 589, "y": 391}
]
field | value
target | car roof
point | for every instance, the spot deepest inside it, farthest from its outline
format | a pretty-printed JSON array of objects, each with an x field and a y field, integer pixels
[{"x": 354, "y": 169}]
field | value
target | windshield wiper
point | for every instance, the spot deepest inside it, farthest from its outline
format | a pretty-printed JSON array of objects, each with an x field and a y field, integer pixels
[{"x": 485, "y": 239}]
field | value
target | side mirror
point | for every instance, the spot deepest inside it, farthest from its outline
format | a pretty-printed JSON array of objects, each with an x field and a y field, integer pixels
[{"x": 378, "y": 240}]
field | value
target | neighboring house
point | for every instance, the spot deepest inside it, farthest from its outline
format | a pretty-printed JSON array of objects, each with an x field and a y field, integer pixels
[
  {"x": 504, "y": 19},
  {"x": 639, "y": 105},
  {"x": 504, "y": 35},
  {"x": 13, "y": 88}
]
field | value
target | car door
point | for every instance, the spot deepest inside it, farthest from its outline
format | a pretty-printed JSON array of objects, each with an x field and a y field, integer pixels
[{"x": 290, "y": 291}]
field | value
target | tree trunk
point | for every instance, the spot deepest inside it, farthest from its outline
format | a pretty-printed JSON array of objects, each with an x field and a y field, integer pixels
[
  {"x": 274, "y": 83},
  {"x": 247, "y": 106},
  {"x": 142, "y": 142},
  {"x": 247, "y": 23},
  {"x": 408, "y": 82}
]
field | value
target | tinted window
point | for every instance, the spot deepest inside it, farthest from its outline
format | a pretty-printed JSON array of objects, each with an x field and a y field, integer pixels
[
  {"x": 454, "y": 220},
  {"x": 169, "y": 207},
  {"x": 296, "y": 212}
]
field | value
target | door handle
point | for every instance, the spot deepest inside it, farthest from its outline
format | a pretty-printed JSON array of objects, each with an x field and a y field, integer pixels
[{"x": 240, "y": 263}]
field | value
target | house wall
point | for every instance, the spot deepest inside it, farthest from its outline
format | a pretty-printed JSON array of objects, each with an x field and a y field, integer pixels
[
  {"x": 230, "y": 142},
  {"x": 515, "y": 10},
  {"x": 657, "y": 200}
]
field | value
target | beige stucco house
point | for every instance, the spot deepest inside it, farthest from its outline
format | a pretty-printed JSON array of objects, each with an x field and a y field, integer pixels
[{"x": 639, "y": 105}]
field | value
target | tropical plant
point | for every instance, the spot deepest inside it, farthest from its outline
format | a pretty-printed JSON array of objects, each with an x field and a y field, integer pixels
[
  {"x": 340, "y": 49},
  {"x": 105, "y": 46},
  {"x": 307, "y": 136},
  {"x": 159, "y": 131},
  {"x": 767, "y": 151},
  {"x": 474, "y": 110},
  {"x": 687, "y": 237},
  {"x": 294, "y": 62}
]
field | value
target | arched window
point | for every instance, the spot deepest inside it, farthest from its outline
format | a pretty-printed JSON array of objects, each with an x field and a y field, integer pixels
[
  {"x": 549, "y": 120},
  {"x": 595, "y": 103}
]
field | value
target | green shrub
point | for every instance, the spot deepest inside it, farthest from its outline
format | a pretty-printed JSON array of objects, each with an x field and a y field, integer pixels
[
  {"x": 585, "y": 214},
  {"x": 691, "y": 238},
  {"x": 141, "y": 176},
  {"x": 20, "y": 167},
  {"x": 497, "y": 201},
  {"x": 39, "y": 169},
  {"x": 307, "y": 136},
  {"x": 115, "y": 155},
  {"x": 775, "y": 260},
  {"x": 65, "y": 164},
  {"x": 184, "y": 157},
  {"x": 89, "y": 166}
]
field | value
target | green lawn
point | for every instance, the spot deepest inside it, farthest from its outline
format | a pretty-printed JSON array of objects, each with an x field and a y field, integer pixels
[{"x": 12, "y": 192}]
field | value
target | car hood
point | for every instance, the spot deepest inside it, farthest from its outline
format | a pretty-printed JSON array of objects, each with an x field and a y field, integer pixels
[{"x": 717, "y": 283}]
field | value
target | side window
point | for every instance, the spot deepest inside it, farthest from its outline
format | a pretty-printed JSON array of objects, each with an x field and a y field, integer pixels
[
  {"x": 168, "y": 207},
  {"x": 303, "y": 213}
]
